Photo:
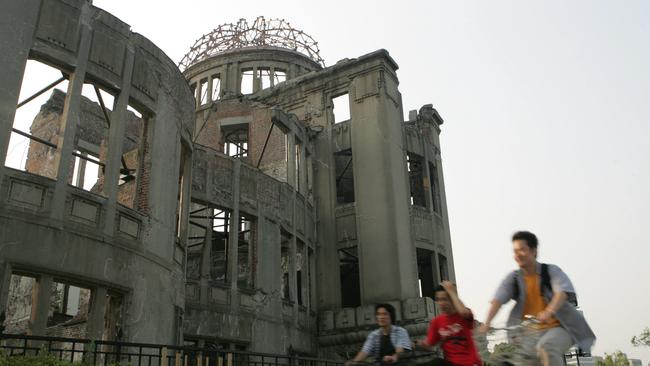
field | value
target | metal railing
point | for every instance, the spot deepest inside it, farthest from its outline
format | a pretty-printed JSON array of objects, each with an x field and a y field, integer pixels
[{"x": 142, "y": 354}]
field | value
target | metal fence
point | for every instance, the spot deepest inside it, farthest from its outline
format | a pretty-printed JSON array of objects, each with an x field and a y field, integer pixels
[{"x": 141, "y": 354}]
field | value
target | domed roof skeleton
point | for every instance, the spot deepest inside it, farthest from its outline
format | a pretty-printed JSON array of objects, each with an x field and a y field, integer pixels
[{"x": 273, "y": 33}]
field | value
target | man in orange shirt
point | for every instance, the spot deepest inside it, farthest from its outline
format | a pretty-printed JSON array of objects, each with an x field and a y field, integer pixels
[{"x": 544, "y": 291}]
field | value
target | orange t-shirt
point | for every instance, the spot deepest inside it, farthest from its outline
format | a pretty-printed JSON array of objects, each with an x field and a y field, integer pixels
[{"x": 534, "y": 302}]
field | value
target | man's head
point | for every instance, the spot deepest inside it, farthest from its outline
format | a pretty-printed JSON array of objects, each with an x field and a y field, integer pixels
[
  {"x": 442, "y": 299},
  {"x": 385, "y": 314},
  {"x": 524, "y": 245}
]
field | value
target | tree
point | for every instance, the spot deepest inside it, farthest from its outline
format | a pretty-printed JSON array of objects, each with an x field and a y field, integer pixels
[
  {"x": 617, "y": 358},
  {"x": 642, "y": 339}
]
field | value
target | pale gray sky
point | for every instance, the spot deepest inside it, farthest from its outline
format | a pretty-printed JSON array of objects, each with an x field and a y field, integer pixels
[{"x": 546, "y": 125}]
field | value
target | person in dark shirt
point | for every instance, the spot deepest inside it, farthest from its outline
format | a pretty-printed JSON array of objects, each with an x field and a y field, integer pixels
[{"x": 386, "y": 343}]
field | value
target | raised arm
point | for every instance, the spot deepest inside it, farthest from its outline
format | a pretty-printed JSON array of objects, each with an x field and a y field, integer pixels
[{"x": 461, "y": 309}]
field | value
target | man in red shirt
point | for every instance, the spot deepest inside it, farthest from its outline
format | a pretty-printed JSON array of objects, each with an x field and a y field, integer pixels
[{"x": 452, "y": 329}]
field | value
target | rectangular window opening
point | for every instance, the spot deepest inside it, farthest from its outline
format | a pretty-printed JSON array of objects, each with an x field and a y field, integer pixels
[
  {"x": 19, "y": 304},
  {"x": 219, "y": 249},
  {"x": 309, "y": 176},
  {"x": 341, "y": 108},
  {"x": 200, "y": 219},
  {"x": 203, "y": 92},
  {"x": 298, "y": 162},
  {"x": 245, "y": 252},
  {"x": 425, "y": 272},
  {"x": 443, "y": 268},
  {"x": 344, "y": 176},
  {"x": 235, "y": 140},
  {"x": 415, "y": 164},
  {"x": 247, "y": 79},
  {"x": 285, "y": 263},
  {"x": 69, "y": 307},
  {"x": 134, "y": 146},
  {"x": 279, "y": 76},
  {"x": 350, "y": 281},
  {"x": 264, "y": 77},
  {"x": 301, "y": 270},
  {"x": 34, "y": 137},
  {"x": 113, "y": 318},
  {"x": 216, "y": 87},
  {"x": 435, "y": 187}
]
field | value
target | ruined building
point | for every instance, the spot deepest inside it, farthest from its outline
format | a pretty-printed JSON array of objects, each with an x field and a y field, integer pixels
[{"x": 250, "y": 198}]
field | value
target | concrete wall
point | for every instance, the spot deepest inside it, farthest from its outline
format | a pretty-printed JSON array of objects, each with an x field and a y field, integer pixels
[{"x": 56, "y": 232}]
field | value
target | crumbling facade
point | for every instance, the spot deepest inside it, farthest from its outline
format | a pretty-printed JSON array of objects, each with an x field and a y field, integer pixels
[
  {"x": 83, "y": 261},
  {"x": 258, "y": 200}
]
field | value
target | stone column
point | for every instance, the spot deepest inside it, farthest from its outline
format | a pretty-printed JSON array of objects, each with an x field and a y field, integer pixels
[
  {"x": 233, "y": 238},
  {"x": 17, "y": 26},
  {"x": 387, "y": 261},
  {"x": 41, "y": 294},
  {"x": 70, "y": 116},
  {"x": 209, "y": 96},
  {"x": 115, "y": 141},
  {"x": 324, "y": 188},
  {"x": 96, "y": 313}
]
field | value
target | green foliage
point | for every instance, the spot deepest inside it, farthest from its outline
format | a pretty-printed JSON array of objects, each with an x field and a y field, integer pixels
[
  {"x": 642, "y": 339},
  {"x": 617, "y": 358},
  {"x": 503, "y": 348}
]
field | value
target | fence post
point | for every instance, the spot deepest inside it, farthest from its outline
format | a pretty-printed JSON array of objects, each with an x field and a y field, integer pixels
[
  {"x": 163, "y": 356},
  {"x": 178, "y": 359},
  {"x": 229, "y": 359}
]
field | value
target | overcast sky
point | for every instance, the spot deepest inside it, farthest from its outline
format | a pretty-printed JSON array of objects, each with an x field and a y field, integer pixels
[{"x": 546, "y": 126}]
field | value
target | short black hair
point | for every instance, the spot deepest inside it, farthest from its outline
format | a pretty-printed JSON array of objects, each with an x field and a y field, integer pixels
[
  {"x": 389, "y": 308},
  {"x": 527, "y": 236},
  {"x": 438, "y": 289}
]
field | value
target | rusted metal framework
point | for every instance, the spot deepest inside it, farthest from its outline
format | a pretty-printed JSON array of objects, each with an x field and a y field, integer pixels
[{"x": 263, "y": 32}]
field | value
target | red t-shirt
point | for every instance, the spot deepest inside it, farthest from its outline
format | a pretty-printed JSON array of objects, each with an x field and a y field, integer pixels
[{"x": 455, "y": 333}]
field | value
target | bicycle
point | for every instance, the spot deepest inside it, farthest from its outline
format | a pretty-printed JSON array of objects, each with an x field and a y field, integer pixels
[{"x": 522, "y": 340}]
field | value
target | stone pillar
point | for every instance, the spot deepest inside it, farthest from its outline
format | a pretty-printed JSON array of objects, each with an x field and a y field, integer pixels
[
  {"x": 115, "y": 140},
  {"x": 234, "y": 79},
  {"x": 324, "y": 187},
  {"x": 257, "y": 81},
  {"x": 96, "y": 313},
  {"x": 272, "y": 75},
  {"x": 41, "y": 294},
  {"x": 233, "y": 238},
  {"x": 15, "y": 15},
  {"x": 387, "y": 261},
  {"x": 445, "y": 222},
  {"x": 209, "y": 96},
  {"x": 70, "y": 116}
]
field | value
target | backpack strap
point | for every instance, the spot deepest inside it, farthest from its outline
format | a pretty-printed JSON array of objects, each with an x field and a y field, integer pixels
[
  {"x": 546, "y": 279},
  {"x": 546, "y": 284}
]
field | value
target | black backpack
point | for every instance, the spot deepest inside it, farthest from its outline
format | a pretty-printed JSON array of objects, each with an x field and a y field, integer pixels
[{"x": 545, "y": 284}]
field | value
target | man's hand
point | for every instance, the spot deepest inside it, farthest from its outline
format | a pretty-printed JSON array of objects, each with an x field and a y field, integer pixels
[
  {"x": 545, "y": 316},
  {"x": 390, "y": 359},
  {"x": 449, "y": 287},
  {"x": 484, "y": 328}
]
